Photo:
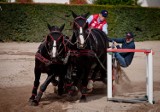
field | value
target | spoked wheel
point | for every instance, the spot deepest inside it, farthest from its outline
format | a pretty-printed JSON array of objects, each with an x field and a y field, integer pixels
[
  {"x": 113, "y": 79},
  {"x": 118, "y": 75}
]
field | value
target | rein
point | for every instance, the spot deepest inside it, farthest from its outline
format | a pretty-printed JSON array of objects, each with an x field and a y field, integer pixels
[
  {"x": 79, "y": 53},
  {"x": 77, "y": 40}
]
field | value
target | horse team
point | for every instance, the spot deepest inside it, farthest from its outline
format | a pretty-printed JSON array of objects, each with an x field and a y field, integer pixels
[{"x": 72, "y": 63}]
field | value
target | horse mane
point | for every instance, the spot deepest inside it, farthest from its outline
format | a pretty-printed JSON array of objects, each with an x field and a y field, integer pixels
[{"x": 101, "y": 36}]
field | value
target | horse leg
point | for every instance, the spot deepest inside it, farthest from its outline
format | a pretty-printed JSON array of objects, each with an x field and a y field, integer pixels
[
  {"x": 55, "y": 81},
  {"x": 42, "y": 89},
  {"x": 62, "y": 74},
  {"x": 103, "y": 76},
  {"x": 93, "y": 78},
  {"x": 84, "y": 90},
  {"x": 37, "y": 73},
  {"x": 71, "y": 80},
  {"x": 61, "y": 85}
]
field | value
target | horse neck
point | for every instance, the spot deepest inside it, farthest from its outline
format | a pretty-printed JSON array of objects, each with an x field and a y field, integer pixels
[
  {"x": 73, "y": 38},
  {"x": 97, "y": 40}
]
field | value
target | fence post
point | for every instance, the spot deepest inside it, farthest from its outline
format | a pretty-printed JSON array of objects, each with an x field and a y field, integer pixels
[
  {"x": 109, "y": 74},
  {"x": 147, "y": 91},
  {"x": 150, "y": 77}
]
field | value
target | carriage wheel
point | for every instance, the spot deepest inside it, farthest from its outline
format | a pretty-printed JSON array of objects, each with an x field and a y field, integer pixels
[{"x": 113, "y": 79}]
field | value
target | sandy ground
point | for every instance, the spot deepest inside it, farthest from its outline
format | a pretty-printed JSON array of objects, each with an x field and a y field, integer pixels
[{"x": 17, "y": 76}]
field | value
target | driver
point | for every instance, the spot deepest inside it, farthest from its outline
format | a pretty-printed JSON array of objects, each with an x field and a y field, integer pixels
[{"x": 99, "y": 21}]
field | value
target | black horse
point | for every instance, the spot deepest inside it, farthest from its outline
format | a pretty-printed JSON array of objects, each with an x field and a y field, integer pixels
[
  {"x": 50, "y": 59},
  {"x": 88, "y": 53}
]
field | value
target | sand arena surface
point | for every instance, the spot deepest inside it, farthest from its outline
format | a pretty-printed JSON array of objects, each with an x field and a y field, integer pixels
[{"x": 17, "y": 76}]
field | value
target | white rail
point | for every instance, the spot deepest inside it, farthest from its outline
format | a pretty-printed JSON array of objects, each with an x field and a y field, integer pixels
[{"x": 149, "y": 71}]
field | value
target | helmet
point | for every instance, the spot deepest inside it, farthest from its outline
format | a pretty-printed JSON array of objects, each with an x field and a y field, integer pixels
[{"x": 104, "y": 13}]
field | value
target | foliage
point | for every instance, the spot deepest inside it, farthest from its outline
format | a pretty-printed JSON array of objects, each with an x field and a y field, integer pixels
[
  {"x": 3, "y": 0},
  {"x": 114, "y": 2},
  {"x": 24, "y": 1},
  {"x": 28, "y": 22}
]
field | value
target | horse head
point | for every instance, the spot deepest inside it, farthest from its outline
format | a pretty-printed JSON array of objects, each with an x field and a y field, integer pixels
[
  {"x": 55, "y": 41},
  {"x": 79, "y": 29}
]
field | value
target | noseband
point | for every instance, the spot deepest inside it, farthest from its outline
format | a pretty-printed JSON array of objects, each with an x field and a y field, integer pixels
[{"x": 53, "y": 37}]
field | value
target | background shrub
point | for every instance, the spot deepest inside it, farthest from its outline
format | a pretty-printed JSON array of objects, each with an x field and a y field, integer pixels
[{"x": 28, "y": 22}]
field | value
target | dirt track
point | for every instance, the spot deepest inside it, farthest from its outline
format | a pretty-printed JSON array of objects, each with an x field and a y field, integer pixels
[{"x": 16, "y": 79}]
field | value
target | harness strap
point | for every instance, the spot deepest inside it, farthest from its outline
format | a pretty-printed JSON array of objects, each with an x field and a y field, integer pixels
[
  {"x": 82, "y": 53},
  {"x": 100, "y": 62},
  {"x": 42, "y": 59},
  {"x": 46, "y": 61},
  {"x": 86, "y": 53}
]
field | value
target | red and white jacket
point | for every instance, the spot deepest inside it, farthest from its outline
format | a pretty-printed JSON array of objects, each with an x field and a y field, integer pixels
[{"x": 95, "y": 23}]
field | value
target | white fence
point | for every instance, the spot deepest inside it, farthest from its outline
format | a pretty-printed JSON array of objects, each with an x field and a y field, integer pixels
[{"x": 149, "y": 72}]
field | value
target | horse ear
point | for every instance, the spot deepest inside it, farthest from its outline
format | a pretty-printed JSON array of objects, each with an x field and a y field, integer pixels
[
  {"x": 73, "y": 14},
  {"x": 61, "y": 28},
  {"x": 85, "y": 15},
  {"x": 49, "y": 26}
]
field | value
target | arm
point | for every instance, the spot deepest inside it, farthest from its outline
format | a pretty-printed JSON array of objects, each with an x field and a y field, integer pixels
[
  {"x": 90, "y": 19},
  {"x": 105, "y": 28},
  {"x": 115, "y": 41},
  {"x": 118, "y": 40}
]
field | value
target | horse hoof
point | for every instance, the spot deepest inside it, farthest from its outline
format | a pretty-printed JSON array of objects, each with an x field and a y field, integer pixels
[
  {"x": 83, "y": 99},
  {"x": 30, "y": 100},
  {"x": 34, "y": 103},
  {"x": 60, "y": 92}
]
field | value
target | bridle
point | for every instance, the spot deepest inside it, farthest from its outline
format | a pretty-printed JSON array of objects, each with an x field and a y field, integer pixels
[
  {"x": 60, "y": 49},
  {"x": 81, "y": 40},
  {"x": 80, "y": 17}
]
